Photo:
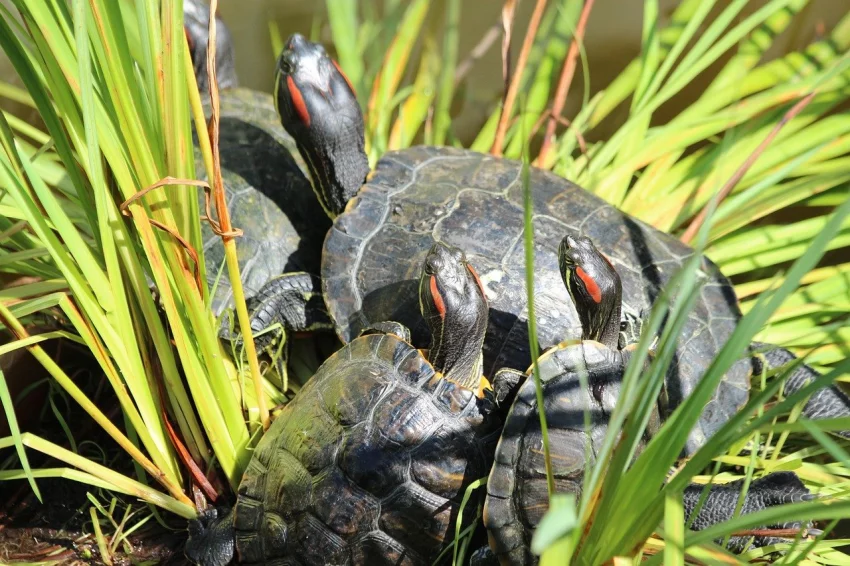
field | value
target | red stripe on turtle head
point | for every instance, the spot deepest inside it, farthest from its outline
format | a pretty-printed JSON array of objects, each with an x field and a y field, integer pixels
[
  {"x": 437, "y": 298},
  {"x": 338, "y": 68},
  {"x": 477, "y": 280},
  {"x": 298, "y": 101},
  {"x": 589, "y": 285}
]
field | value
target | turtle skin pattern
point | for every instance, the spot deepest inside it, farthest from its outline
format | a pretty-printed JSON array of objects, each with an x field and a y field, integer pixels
[
  {"x": 268, "y": 195},
  {"x": 474, "y": 201},
  {"x": 367, "y": 465},
  {"x": 778, "y": 488}
]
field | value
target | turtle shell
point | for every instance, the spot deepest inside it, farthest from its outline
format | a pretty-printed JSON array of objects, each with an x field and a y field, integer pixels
[
  {"x": 475, "y": 202},
  {"x": 517, "y": 492},
  {"x": 367, "y": 465},
  {"x": 268, "y": 195}
]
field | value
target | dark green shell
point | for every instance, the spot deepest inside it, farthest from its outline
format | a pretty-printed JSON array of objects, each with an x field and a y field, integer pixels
[
  {"x": 268, "y": 195},
  {"x": 517, "y": 492},
  {"x": 366, "y": 466},
  {"x": 474, "y": 201}
]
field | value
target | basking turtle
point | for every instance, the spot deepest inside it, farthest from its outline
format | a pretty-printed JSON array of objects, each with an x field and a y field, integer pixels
[
  {"x": 369, "y": 463},
  {"x": 517, "y": 495},
  {"x": 196, "y": 23},
  {"x": 382, "y": 229},
  {"x": 268, "y": 197}
]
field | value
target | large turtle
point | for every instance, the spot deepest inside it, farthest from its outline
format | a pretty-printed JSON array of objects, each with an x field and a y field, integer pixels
[
  {"x": 382, "y": 229},
  {"x": 268, "y": 197},
  {"x": 517, "y": 493},
  {"x": 369, "y": 463}
]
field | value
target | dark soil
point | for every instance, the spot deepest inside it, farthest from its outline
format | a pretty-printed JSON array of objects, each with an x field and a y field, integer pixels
[{"x": 59, "y": 530}]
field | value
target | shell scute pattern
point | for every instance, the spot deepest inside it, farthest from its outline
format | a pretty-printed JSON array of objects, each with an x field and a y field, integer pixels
[
  {"x": 404, "y": 418},
  {"x": 345, "y": 399},
  {"x": 343, "y": 506},
  {"x": 367, "y": 465},
  {"x": 442, "y": 465},
  {"x": 310, "y": 437},
  {"x": 417, "y": 518},
  {"x": 379, "y": 548},
  {"x": 517, "y": 487},
  {"x": 371, "y": 273},
  {"x": 373, "y": 461},
  {"x": 311, "y": 535}
]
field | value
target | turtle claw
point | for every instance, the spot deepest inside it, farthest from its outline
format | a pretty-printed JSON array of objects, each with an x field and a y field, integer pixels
[
  {"x": 505, "y": 385},
  {"x": 211, "y": 541}
]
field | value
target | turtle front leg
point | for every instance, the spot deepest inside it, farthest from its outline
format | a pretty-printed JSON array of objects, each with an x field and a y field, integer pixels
[
  {"x": 288, "y": 303},
  {"x": 293, "y": 300},
  {"x": 211, "y": 540},
  {"x": 825, "y": 403}
]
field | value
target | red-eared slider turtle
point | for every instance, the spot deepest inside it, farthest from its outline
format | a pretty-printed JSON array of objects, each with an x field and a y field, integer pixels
[
  {"x": 517, "y": 494},
  {"x": 383, "y": 229},
  {"x": 196, "y": 23},
  {"x": 369, "y": 463},
  {"x": 268, "y": 197}
]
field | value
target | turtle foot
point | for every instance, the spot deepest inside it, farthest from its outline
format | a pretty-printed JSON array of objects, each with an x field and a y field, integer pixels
[
  {"x": 291, "y": 302},
  {"x": 825, "y": 403},
  {"x": 483, "y": 557},
  {"x": 211, "y": 541},
  {"x": 774, "y": 489}
]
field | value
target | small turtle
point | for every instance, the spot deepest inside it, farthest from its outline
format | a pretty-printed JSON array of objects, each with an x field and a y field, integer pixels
[
  {"x": 382, "y": 229},
  {"x": 369, "y": 463},
  {"x": 268, "y": 198},
  {"x": 517, "y": 495}
]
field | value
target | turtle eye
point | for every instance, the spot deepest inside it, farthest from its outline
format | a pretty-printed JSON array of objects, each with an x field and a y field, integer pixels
[
  {"x": 288, "y": 61},
  {"x": 431, "y": 266}
]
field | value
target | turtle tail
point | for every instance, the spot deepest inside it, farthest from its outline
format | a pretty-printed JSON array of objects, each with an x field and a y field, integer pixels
[
  {"x": 825, "y": 403},
  {"x": 211, "y": 538}
]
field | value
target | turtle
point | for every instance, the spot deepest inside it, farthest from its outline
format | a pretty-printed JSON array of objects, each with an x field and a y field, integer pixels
[
  {"x": 196, "y": 22},
  {"x": 369, "y": 463},
  {"x": 517, "y": 495},
  {"x": 268, "y": 197},
  {"x": 385, "y": 221}
]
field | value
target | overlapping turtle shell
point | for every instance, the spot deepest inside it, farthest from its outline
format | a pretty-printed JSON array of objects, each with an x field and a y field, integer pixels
[
  {"x": 517, "y": 492},
  {"x": 473, "y": 201},
  {"x": 366, "y": 466},
  {"x": 268, "y": 195}
]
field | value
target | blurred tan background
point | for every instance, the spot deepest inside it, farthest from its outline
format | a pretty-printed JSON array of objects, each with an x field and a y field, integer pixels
[{"x": 612, "y": 40}]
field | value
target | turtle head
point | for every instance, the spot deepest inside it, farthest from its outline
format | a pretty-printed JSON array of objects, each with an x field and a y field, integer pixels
[
  {"x": 453, "y": 303},
  {"x": 318, "y": 107},
  {"x": 196, "y": 23},
  {"x": 595, "y": 288}
]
